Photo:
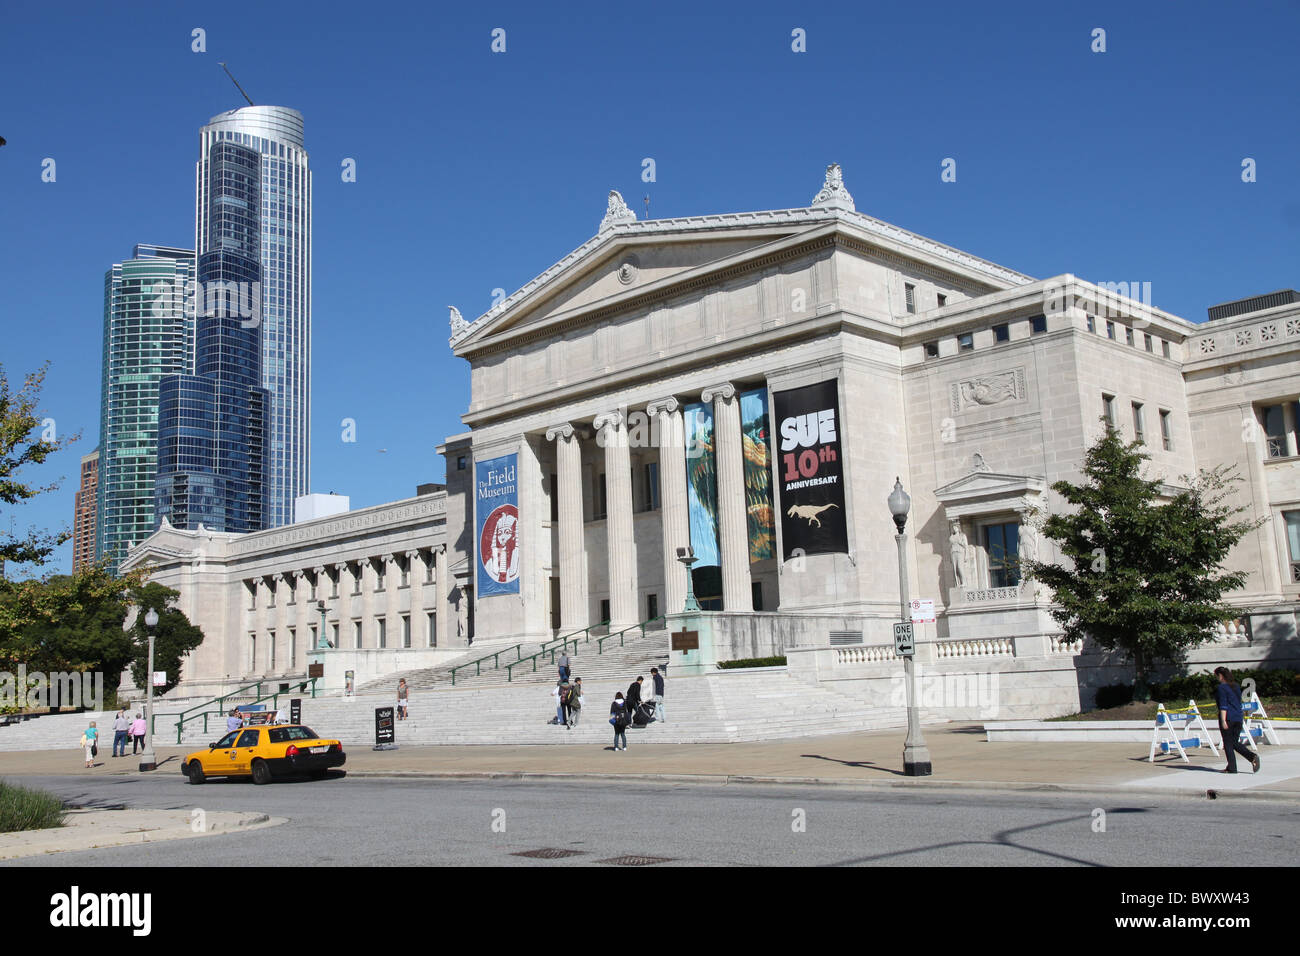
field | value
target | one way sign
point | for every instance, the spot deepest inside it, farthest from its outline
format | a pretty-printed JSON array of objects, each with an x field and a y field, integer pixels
[{"x": 903, "y": 645}]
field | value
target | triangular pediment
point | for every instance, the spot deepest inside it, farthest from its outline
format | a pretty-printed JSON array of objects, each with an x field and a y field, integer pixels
[
  {"x": 625, "y": 263},
  {"x": 989, "y": 484}
]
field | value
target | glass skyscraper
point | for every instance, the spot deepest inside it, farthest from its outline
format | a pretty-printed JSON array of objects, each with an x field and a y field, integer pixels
[
  {"x": 275, "y": 134},
  {"x": 148, "y": 334},
  {"x": 212, "y": 423}
]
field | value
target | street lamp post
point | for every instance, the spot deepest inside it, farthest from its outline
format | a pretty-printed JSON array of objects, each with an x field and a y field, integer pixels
[
  {"x": 147, "y": 759},
  {"x": 321, "y": 639},
  {"x": 687, "y": 557},
  {"x": 916, "y": 756}
]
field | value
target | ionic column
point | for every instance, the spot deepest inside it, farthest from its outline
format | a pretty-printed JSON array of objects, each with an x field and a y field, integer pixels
[
  {"x": 442, "y": 593},
  {"x": 672, "y": 499},
  {"x": 281, "y": 622},
  {"x": 573, "y": 552},
  {"x": 612, "y": 434},
  {"x": 369, "y": 581},
  {"x": 344, "y": 601},
  {"x": 733, "y": 525},
  {"x": 302, "y": 624},
  {"x": 415, "y": 575},
  {"x": 320, "y": 595},
  {"x": 393, "y": 612},
  {"x": 259, "y": 620}
]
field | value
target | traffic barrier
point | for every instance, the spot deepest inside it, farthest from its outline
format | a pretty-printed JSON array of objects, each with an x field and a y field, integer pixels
[
  {"x": 1257, "y": 724},
  {"x": 1170, "y": 723}
]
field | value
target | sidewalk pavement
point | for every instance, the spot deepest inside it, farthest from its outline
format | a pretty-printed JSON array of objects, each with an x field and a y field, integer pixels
[
  {"x": 96, "y": 829},
  {"x": 960, "y": 754}
]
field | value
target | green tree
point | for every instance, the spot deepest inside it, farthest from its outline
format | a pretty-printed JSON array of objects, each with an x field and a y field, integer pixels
[
  {"x": 23, "y": 441},
  {"x": 1142, "y": 577},
  {"x": 174, "y": 636}
]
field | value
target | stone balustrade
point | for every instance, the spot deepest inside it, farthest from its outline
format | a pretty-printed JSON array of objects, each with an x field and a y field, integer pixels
[
  {"x": 988, "y": 647},
  {"x": 1060, "y": 645},
  {"x": 865, "y": 654},
  {"x": 1232, "y": 630}
]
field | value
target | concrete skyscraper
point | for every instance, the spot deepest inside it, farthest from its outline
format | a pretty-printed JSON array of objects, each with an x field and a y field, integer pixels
[
  {"x": 275, "y": 134},
  {"x": 83, "y": 516},
  {"x": 148, "y": 333}
]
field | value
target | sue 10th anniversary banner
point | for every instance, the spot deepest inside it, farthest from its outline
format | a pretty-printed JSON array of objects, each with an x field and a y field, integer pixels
[{"x": 810, "y": 475}]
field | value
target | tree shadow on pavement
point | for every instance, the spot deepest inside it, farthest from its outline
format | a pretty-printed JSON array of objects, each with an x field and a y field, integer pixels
[{"x": 862, "y": 764}]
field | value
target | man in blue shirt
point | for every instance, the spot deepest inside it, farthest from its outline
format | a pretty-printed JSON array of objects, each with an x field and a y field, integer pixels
[
  {"x": 1228, "y": 697},
  {"x": 234, "y": 721}
]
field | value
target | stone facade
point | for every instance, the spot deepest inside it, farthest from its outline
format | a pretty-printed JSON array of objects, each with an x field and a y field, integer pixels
[{"x": 976, "y": 385}]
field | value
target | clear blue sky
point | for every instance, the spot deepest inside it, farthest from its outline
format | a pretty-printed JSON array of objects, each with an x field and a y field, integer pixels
[{"x": 479, "y": 170}]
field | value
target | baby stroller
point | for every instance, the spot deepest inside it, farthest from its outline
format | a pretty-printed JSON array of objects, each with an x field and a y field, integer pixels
[{"x": 644, "y": 715}]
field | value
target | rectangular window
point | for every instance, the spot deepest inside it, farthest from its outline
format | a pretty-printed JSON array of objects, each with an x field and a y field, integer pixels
[
  {"x": 1108, "y": 409},
  {"x": 1150, "y": 342},
  {"x": 651, "y": 607},
  {"x": 433, "y": 629},
  {"x": 1139, "y": 423},
  {"x": 334, "y": 635},
  {"x": 1275, "y": 436},
  {"x": 965, "y": 342},
  {"x": 943, "y": 300},
  {"x": 909, "y": 296},
  {"x": 1002, "y": 546},
  {"x": 270, "y": 596},
  {"x": 293, "y": 648},
  {"x": 334, "y": 584},
  {"x": 1037, "y": 324},
  {"x": 1166, "y": 433},
  {"x": 756, "y": 594},
  {"x": 356, "y": 580},
  {"x": 1164, "y": 348},
  {"x": 1002, "y": 333},
  {"x": 356, "y": 634},
  {"x": 381, "y": 576},
  {"x": 252, "y": 653},
  {"x": 604, "y": 612},
  {"x": 1292, "y": 519},
  {"x": 931, "y": 350},
  {"x": 1128, "y": 335},
  {"x": 293, "y": 595},
  {"x": 406, "y": 630},
  {"x": 460, "y": 463},
  {"x": 1110, "y": 329},
  {"x": 652, "y": 486},
  {"x": 383, "y": 631},
  {"x": 1092, "y": 324},
  {"x": 252, "y": 598},
  {"x": 270, "y": 639},
  {"x": 405, "y": 567}
]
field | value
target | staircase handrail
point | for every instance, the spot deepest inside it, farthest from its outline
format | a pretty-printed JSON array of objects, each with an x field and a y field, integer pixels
[
  {"x": 599, "y": 645},
  {"x": 478, "y": 662},
  {"x": 274, "y": 697}
]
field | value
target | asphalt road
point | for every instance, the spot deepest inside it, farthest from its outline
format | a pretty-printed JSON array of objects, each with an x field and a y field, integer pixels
[{"x": 388, "y": 821}]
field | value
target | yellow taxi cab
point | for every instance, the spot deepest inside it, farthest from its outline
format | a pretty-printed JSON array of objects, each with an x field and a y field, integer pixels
[{"x": 265, "y": 752}]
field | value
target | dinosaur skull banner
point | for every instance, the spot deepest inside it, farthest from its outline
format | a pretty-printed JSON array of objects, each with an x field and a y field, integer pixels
[{"x": 809, "y": 473}]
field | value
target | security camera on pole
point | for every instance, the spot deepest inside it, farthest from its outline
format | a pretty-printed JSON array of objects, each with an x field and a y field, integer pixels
[
  {"x": 147, "y": 759},
  {"x": 916, "y": 756}
]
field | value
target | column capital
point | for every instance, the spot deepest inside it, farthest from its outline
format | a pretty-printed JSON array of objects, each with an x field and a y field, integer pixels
[
  {"x": 341, "y": 566},
  {"x": 318, "y": 569},
  {"x": 257, "y": 580},
  {"x": 611, "y": 419},
  {"x": 277, "y": 577},
  {"x": 663, "y": 405},
  {"x": 563, "y": 430},
  {"x": 412, "y": 555},
  {"x": 726, "y": 391},
  {"x": 298, "y": 573}
]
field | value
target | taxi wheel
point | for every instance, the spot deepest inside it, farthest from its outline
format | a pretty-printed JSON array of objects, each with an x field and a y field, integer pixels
[
  {"x": 261, "y": 772},
  {"x": 196, "y": 773}
]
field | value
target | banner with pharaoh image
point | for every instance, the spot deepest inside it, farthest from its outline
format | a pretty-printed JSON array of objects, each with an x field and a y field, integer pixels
[
  {"x": 756, "y": 444},
  {"x": 809, "y": 473},
  {"x": 496, "y": 509}
]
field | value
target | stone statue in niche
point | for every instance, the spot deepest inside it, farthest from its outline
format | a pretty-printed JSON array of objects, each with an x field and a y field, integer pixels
[
  {"x": 957, "y": 546},
  {"x": 1028, "y": 548}
]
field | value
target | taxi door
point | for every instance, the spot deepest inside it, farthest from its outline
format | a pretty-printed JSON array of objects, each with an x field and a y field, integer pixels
[{"x": 241, "y": 758}]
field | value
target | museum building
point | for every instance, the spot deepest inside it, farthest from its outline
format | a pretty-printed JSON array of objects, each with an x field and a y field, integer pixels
[{"x": 750, "y": 386}]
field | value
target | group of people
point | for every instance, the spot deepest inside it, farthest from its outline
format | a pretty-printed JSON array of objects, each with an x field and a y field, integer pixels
[
  {"x": 626, "y": 710},
  {"x": 125, "y": 729}
]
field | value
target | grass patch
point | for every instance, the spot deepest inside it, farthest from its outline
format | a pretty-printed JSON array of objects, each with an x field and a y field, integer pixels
[
  {"x": 754, "y": 662},
  {"x": 1276, "y": 707},
  {"x": 23, "y": 809}
]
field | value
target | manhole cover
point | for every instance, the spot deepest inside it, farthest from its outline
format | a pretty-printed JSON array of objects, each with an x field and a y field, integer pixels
[
  {"x": 633, "y": 860},
  {"x": 549, "y": 853}
]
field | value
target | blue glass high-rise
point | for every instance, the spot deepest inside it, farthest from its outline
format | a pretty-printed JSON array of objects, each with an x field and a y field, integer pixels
[{"x": 212, "y": 424}]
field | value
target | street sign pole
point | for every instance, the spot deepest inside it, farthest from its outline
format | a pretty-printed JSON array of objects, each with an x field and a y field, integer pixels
[{"x": 916, "y": 756}]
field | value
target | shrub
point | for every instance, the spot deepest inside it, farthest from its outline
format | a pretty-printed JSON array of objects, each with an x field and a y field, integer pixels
[
  {"x": 754, "y": 662},
  {"x": 23, "y": 809},
  {"x": 1114, "y": 695}
]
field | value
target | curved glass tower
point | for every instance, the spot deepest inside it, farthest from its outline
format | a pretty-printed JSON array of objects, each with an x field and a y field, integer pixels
[{"x": 275, "y": 133}]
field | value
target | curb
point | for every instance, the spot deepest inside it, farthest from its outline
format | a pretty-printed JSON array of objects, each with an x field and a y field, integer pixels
[
  {"x": 984, "y": 786},
  {"x": 47, "y": 842}
]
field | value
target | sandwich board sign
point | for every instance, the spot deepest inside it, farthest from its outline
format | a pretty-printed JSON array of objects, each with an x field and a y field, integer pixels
[{"x": 903, "y": 640}]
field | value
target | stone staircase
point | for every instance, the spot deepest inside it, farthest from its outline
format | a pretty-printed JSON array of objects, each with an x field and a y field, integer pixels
[{"x": 757, "y": 704}]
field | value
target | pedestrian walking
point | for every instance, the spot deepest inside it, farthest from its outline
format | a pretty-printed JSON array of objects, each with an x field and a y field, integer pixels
[
  {"x": 658, "y": 679},
  {"x": 403, "y": 697},
  {"x": 1228, "y": 696},
  {"x": 564, "y": 666},
  {"x": 90, "y": 741},
  {"x": 575, "y": 702},
  {"x": 618, "y": 716},
  {"x": 121, "y": 730},
  {"x": 556, "y": 695},
  {"x": 137, "y": 734}
]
